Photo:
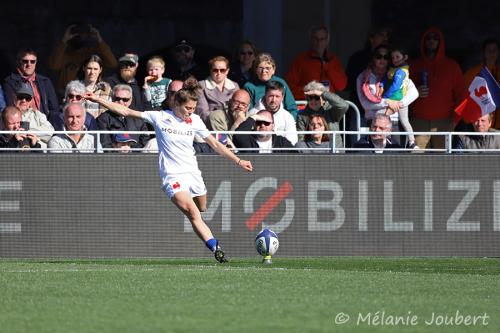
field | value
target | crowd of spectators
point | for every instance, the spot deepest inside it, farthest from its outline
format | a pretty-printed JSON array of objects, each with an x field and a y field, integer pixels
[{"x": 244, "y": 95}]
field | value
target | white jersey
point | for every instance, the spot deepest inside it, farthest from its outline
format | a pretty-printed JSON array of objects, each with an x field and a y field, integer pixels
[{"x": 176, "y": 154}]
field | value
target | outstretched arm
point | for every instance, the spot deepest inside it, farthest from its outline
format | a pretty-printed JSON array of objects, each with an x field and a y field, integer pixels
[
  {"x": 220, "y": 149},
  {"x": 115, "y": 107}
]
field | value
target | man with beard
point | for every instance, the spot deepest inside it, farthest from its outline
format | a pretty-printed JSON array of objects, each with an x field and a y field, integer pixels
[
  {"x": 127, "y": 70},
  {"x": 184, "y": 64},
  {"x": 230, "y": 117},
  {"x": 44, "y": 95}
]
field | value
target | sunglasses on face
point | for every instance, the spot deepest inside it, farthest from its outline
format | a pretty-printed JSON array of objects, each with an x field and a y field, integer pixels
[
  {"x": 219, "y": 70},
  {"x": 126, "y": 64},
  {"x": 246, "y": 52},
  {"x": 77, "y": 97},
  {"x": 262, "y": 122},
  {"x": 184, "y": 49},
  {"x": 124, "y": 99},
  {"x": 28, "y": 61},
  {"x": 312, "y": 98},
  {"x": 380, "y": 56},
  {"x": 26, "y": 98}
]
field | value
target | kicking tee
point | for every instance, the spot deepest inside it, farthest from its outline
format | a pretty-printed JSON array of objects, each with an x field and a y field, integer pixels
[{"x": 175, "y": 141}]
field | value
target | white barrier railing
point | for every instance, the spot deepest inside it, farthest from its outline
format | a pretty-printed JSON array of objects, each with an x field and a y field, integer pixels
[{"x": 98, "y": 149}]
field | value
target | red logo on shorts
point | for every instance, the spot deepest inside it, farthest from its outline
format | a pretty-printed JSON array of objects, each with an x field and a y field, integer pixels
[{"x": 176, "y": 185}]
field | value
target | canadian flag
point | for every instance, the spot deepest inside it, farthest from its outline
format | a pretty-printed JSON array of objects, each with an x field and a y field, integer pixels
[{"x": 484, "y": 97}]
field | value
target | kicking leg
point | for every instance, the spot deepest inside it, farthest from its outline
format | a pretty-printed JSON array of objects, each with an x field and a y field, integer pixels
[
  {"x": 186, "y": 204},
  {"x": 201, "y": 202}
]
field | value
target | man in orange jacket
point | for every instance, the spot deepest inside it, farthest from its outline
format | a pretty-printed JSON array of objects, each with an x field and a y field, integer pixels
[{"x": 317, "y": 64}]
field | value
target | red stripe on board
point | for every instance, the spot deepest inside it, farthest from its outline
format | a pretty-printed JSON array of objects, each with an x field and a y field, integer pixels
[{"x": 273, "y": 201}]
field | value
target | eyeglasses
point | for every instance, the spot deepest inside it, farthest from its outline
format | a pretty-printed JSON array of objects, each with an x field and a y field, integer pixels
[
  {"x": 28, "y": 61},
  {"x": 26, "y": 98},
  {"x": 267, "y": 68},
  {"x": 124, "y": 99},
  {"x": 262, "y": 123},
  {"x": 313, "y": 98},
  {"x": 77, "y": 97},
  {"x": 219, "y": 70},
  {"x": 246, "y": 52},
  {"x": 184, "y": 49},
  {"x": 380, "y": 56},
  {"x": 237, "y": 103}
]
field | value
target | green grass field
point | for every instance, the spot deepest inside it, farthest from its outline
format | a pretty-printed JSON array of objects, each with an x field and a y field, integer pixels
[{"x": 292, "y": 295}]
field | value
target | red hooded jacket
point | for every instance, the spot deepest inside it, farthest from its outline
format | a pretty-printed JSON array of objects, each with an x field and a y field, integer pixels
[{"x": 445, "y": 80}]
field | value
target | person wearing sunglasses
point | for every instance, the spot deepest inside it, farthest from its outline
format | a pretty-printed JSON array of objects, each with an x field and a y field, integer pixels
[
  {"x": 44, "y": 95},
  {"x": 241, "y": 72},
  {"x": 322, "y": 102},
  {"x": 441, "y": 87},
  {"x": 37, "y": 121},
  {"x": 318, "y": 63},
  {"x": 126, "y": 74},
  {"x": 217, "y": 89},
  {"x": 263, "y": 143},
  {"x": 184, "y": 64},
  {"x": 369, "y": 85},
  {"x": 110, "y": 121},
  {"x": 75, "y": 90}
]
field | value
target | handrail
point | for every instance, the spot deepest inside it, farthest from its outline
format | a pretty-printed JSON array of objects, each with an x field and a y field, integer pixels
[{"x": 448, "y": 148}]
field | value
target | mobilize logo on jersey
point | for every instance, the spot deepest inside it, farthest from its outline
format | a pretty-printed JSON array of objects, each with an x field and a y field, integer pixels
[
  {"x": 312, "y": 204},
  {"x": 175, "y": 131}
]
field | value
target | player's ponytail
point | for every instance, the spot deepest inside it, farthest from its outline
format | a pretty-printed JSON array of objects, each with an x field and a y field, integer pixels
[{"x": 189, "y": 91}]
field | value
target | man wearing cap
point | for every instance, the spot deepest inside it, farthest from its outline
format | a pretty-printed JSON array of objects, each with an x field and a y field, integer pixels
[
  {"x": 36, "y": 119},
  {"x": 74, "y": 120},
  {"x": 124, "y": 142},
  {"x": 110, "y": 121},
  {"x": 184, "y": 64},
  {"x": 127, "y": 71},
  {"x": 44, "y": 96}
]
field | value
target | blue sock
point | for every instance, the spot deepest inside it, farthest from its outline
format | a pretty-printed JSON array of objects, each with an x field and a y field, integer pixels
[{"x": 212, "y": 244}]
